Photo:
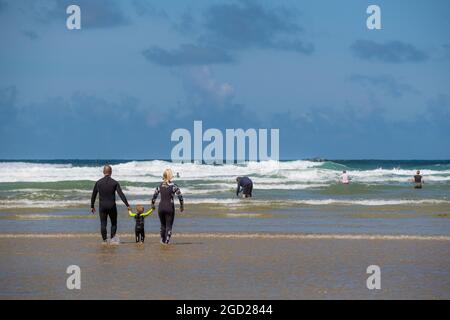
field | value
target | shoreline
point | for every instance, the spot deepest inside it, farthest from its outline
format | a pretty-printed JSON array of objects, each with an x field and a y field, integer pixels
[{"x": 223, "y": 235}]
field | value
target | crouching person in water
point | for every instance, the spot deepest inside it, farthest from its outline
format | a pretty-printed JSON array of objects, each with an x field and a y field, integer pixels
[
  {"x": 166, "y": 208},
  {"x": 139, "y": 217},
  {"x": 244, "y": 185}
]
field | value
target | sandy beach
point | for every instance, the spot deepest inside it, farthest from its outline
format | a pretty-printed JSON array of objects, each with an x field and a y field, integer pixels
[{"x": 225, "y": 266}]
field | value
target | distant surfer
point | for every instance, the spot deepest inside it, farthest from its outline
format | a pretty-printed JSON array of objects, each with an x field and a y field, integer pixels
[
  {"x": 166, "y": 208},
  {"x": 244, "y": 185},
  {"x": 345, "y": 179},
  {"x": 107, "y": 187},
  {"x": 418, "y": 180}
]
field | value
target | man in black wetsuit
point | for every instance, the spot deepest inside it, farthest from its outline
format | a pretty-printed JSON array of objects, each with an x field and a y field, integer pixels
[
  {"x": 418, "y": 180},
  {"x": 107, "y": 187},
  {"x": 244, "y": 185}
]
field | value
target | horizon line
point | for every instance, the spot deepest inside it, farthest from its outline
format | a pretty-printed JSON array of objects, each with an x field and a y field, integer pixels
[{"x": 316, "y": 159}]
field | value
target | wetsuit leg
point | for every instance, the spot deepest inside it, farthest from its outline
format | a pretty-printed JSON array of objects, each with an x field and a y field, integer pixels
[
  {"x": 170, "y": 216},
  {"x": 136, "y": 232},
  {"x": 142, "y": 234},
  {"x": 113, "y": 217},
  {"x": 103, "y": 223},
  {"x": 162, "y": 219}
]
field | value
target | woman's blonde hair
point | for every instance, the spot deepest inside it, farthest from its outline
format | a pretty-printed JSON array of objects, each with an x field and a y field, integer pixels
[{"x": 167, "y": 175}]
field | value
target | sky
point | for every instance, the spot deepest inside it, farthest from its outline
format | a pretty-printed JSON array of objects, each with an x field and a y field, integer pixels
[{"x": 137, "y": 70}]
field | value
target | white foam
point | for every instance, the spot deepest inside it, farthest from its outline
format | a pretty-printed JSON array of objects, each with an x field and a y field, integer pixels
[
  {"x": 371, "y": 202},
  {"x": 296, "y": 172},
  {"x": 26, "y": 203},
  {"x": 229, "y": 202}
]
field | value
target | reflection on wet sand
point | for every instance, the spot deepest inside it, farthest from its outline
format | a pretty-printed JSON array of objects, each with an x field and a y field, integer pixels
[{"x": 224, "y": 267}]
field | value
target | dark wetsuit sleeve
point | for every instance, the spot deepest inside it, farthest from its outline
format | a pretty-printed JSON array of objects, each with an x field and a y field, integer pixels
[
  {"x": 94, "y": 195},
  {"x": 121, "y": 195},
  {"x": 177, "y": 191},
  {"x": 155, "y": 195},
  {"x": 238, "y": 189}
]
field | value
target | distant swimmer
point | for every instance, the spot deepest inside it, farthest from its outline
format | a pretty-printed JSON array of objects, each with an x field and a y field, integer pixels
[
  {"x": 107, "y": 187},
  {"x": 418, "y": 180},
  {"x": 166, "y": 208},
  {"x": 178, "y": 174},
  {"x": 139, "y": 217},
  {"x": 345, "y": 179},
  {"x": 244, "y": 185}
]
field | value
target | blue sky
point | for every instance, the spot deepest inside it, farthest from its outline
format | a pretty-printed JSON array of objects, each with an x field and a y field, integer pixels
[{"x": 139, "y": 69}]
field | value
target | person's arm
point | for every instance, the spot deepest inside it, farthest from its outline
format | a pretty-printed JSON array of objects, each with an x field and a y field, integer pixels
[
  {"x": 155, "y": 196},
  {"x": 93, "y": 197},
  {"x": 177, "y": 191},
  {"x": 149, "y": 212},
  {"x": 238, "y": 190},
  {"x": 132, "y": 214},
  {"x": 122, "y": 196}
]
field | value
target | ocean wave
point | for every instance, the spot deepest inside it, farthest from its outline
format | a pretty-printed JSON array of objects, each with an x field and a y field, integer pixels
[
  {"x": 371, "y": 202},
  {"x": 319, "y": 202},
  {"x": 26, "y": 203},
  {"x": 299, "y": 171},
  {"x": 231, "y": 202},
  {"x": 43, "y": 190}
]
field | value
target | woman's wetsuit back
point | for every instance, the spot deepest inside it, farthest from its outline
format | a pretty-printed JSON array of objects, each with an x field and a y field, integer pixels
[{"x": 166, "y": 208}]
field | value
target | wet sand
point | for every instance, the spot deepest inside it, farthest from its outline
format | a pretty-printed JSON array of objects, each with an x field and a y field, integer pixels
[{"x": 208, "y": 266}]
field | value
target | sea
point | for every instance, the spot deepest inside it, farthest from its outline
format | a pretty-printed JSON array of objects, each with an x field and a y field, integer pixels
[{"x": 296, "y": 196}]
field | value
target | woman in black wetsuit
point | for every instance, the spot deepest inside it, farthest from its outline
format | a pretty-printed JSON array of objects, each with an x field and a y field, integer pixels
[{"x": 166, "y": 208}]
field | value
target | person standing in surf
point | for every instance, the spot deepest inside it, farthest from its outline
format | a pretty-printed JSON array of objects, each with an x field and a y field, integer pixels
[
  {"x": 166, "y": 207},
  {"x": 418, "y": 180},
  {"x": 107, "y": 187},
  {"x": 345, "y": 179},
  {"x": 244, "y": 185}
]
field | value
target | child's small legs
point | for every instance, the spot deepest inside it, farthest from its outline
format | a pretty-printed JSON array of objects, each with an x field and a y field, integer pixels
[
  {"x": 140, "y": 235},
  {"x": 137, "y": 233}
]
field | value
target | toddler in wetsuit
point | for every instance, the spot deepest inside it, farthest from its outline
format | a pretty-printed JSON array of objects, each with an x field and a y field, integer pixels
[{"x": 139, "y": 216}]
